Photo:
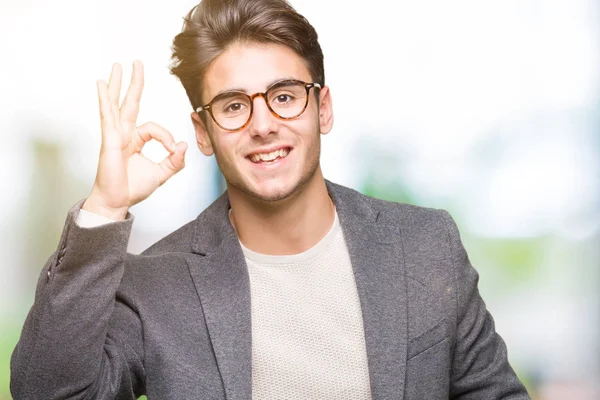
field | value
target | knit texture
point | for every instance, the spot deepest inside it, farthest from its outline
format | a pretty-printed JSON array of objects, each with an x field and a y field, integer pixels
[{"x": 307, "y": 328}]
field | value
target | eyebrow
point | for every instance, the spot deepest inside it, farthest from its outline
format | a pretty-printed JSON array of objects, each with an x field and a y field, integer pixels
[{"x": 237, "y": 90}]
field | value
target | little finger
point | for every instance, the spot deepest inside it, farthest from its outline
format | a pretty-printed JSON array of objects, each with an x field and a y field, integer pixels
[{"x": 107, "y": 119}]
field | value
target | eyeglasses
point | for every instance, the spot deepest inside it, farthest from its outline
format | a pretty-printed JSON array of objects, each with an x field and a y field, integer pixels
[{"x": 286, "y": 99}]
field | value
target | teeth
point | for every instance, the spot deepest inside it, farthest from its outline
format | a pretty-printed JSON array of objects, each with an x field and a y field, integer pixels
[{"x": 269, "y": 156}]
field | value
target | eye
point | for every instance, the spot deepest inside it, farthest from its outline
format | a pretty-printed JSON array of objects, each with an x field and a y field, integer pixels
[
  {"x": 283, "y": 98},
  {"x": 286, "y": 94},
  {"x": 234, "y": 107},
  {"x": 230, "y": 104}
]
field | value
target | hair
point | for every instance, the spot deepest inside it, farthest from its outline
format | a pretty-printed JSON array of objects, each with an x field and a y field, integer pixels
[{"x": 214, "y": 25}]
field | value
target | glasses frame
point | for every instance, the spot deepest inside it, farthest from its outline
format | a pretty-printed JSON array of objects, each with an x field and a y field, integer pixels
[{"x": 307, "y": 86}]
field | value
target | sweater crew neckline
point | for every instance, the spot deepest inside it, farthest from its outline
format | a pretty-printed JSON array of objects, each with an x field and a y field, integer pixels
[{"x": 294, "y": 258}]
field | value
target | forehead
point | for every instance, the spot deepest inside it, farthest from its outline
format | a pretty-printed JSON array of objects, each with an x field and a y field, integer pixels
[{"x": 252, "y": 67}]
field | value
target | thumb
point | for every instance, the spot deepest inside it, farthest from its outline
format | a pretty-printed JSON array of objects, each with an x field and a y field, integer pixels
[{"x": 174, "y": 162}]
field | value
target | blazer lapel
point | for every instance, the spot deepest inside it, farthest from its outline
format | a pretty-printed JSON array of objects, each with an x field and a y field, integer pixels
[
  {"x": 221, "y": 278},
  {"x": 378, "y": 263}
]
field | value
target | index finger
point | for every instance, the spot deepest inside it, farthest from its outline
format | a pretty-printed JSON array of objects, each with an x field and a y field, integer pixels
[
  {"x": 131, "y": 103},
  {"x": 149, "y": 131}
]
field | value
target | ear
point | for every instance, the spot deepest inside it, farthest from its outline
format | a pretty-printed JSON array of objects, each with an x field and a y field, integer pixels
[
  {"x": 202, "y": 137},
  {"x": 325, "y": 110}
]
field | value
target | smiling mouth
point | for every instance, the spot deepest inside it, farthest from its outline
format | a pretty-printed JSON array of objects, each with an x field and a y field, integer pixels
[{"x": 269, "y": 158}]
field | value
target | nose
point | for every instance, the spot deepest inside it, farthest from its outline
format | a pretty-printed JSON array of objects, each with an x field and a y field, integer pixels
[{"x": 263, "y": 121}]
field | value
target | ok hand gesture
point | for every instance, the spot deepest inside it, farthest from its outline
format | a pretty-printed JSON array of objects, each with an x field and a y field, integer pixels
[{"x": 125, "y": 177}]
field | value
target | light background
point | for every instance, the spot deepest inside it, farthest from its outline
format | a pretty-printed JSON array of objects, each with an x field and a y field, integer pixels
[{"x": 490, "y": 109}]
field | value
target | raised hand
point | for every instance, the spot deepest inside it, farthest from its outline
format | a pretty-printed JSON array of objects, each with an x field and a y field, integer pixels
[{"x": 125, "y": 177}]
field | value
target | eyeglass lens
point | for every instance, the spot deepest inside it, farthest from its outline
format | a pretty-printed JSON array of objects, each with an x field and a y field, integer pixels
[{"x": 233, "y": 109}]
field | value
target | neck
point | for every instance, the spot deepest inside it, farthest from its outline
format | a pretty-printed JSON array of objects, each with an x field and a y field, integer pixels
[{"x": 289, "y": 226}]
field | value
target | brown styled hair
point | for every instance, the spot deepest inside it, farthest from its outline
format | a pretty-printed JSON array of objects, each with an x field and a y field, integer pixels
[{"x": 213, "y": 25}]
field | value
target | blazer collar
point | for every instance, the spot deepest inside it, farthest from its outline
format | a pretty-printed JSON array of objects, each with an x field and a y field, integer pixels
[
  {"x": 221, "y": 278},
  {"x": 212, "y": 227}
]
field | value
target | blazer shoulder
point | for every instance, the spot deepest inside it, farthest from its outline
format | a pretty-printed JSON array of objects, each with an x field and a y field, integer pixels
[
  {"x": 421, "y": 227},
  {"x": 406, "y": 216},
  {"x": 407, "y": 211},
  {"x": 178, "y": 241},
  {"x": 184, "y": 239},
  {"x": 423, "y": 230}
]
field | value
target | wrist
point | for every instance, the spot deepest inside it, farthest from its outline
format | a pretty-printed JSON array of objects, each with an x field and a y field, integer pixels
[{"x": 94, "y": 206}]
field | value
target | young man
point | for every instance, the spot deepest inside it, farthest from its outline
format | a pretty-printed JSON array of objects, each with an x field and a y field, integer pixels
[{"x": 288, "y": 286}]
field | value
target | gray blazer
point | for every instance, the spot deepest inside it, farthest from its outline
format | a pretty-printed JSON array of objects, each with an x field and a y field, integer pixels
[{"x": 179, "y": 324}]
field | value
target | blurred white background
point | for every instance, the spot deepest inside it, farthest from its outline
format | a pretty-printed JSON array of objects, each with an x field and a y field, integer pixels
[{"x": 490, "y": 109}]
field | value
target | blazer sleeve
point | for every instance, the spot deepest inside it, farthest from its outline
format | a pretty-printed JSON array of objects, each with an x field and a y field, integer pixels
[
  {"x": 480, "y": 367},
  {"x": 82, "y": 338}
]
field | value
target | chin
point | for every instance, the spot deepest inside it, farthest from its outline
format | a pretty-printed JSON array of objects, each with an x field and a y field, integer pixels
[
  {"x": 270, "y": 191},
  {"x": 274, "y": 192}
]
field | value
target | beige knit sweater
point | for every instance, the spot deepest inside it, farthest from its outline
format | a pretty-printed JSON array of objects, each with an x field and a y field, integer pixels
[{"x": 307, "y": 329}]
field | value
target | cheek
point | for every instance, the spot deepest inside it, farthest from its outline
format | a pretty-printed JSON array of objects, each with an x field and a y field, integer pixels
[
  {"x": 229, "y": 150},
  {"x": 311, "y": 131},
  {"x": 307, "y": 127},
  {"x": 218, "y": 140}
]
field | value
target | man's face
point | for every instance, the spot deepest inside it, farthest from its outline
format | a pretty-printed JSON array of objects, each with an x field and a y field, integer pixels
[{"x": 253, "y": 68}]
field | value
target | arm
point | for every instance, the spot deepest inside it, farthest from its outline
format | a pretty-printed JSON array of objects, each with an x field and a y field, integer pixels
[
  {"x": 480, "y": 368},
  {"x": 78, "y": 341},
  {"x": 82, "y": 337}
]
